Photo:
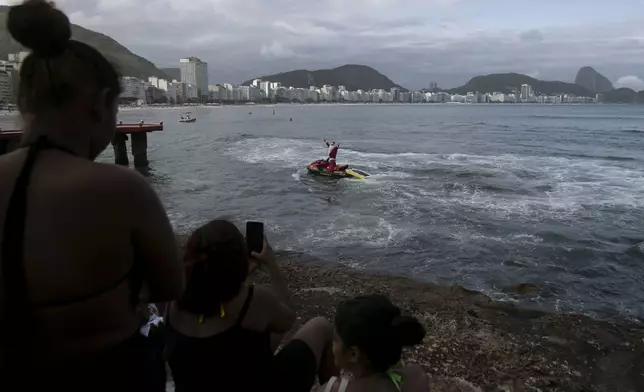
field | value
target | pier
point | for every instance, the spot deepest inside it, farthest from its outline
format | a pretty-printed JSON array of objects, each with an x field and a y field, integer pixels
[{"x": 136, "y": 133}]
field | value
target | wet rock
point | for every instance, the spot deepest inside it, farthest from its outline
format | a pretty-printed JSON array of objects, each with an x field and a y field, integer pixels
[
  {"x": 490, "y": 344},
  {"x": 327, "y": 290}
]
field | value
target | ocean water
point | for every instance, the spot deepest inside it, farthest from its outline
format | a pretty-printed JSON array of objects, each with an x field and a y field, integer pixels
[{"x": 486, "y": 197}]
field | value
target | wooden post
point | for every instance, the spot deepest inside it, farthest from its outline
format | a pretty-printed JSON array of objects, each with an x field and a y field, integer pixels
[
  {"x": 140, "y": 151},
  {"x": 120, "y": 149}
]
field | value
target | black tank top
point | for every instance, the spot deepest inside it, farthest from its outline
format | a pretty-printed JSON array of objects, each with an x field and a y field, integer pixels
[
  {"x": 19, "y": 323},
  {"x": 236, "y": 359}
]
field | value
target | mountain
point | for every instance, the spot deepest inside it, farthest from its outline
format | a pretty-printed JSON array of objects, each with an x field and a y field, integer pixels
[
  {"x": 353, "y": 77},
  {"x": 623, "y": 95},
  {"x": 592, "y": 80},
  {"x": 128, "y": 63},
  {"x": 173, "y": 73},
  {"x": 509, "y": 82}
]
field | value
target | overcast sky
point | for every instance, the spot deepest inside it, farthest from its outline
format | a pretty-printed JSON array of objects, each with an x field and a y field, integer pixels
[{"x": 411, "y": 41}]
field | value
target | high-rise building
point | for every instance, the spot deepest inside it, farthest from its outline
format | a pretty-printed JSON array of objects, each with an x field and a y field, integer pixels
[
  {"x": 526, "y": 92},
  {"x": 395, "y": 94},
  {"x": 6, "y": 95},
  {"x": 18, "y": 58},
  {"x": 433, "y": 86},
  {"x": 266, "y": 88},
  {"x": 133, "y": 88},
  {"x": 195, "y": 72}
]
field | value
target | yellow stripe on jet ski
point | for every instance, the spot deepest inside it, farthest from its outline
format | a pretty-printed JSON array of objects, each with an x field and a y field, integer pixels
[{"x": 354, "y": 174}]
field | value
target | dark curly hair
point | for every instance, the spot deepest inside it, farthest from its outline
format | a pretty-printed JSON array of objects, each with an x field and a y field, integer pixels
[
  {"x": 376, "y": 327},
  {"x": 216, "y": 263}
]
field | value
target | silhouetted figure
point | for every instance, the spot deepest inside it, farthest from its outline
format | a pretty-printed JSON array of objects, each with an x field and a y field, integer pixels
[{"x": 79, "y": 253}]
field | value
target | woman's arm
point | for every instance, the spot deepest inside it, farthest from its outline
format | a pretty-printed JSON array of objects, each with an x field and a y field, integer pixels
[
  {"x": 276, "y": 295},
  {"x": 154, "y": 242},
  {"x": 267, "y": 257},
  {"x": 280, "y": 316}
]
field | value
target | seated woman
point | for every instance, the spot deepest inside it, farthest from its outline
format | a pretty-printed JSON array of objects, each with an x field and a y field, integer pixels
[
  {"x": 221, "y": 334},
  {"x": 80, "y": 239},
  {"x": 370, "y": 333}
]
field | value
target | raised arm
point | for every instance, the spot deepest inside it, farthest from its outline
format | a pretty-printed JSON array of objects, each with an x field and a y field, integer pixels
[{"x": 277, "y": 295}]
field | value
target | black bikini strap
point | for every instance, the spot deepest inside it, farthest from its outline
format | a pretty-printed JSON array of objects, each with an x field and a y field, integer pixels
[
  {"x": 13, "y": 244},
  {"x": 246, "y": 305},
  {"x": 14, "y": 280}
]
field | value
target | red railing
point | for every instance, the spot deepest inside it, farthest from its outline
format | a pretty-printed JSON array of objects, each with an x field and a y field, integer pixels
[{"x": 120, "y": 128}]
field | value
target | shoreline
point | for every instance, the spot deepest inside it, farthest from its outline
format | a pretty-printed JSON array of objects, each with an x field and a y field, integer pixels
[
  {"x": 475, "y": 342},
  {"x": 286, "y": 104}
]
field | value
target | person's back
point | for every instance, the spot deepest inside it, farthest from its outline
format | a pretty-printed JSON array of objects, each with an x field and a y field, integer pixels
[
  {"x": 222, "y": 334},
  {"x": 82, "y": 242},
  {"x": 218, "y": 333},
  {"x": 234, "y": 357}
]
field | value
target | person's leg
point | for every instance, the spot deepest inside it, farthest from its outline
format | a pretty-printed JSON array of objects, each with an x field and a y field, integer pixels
[
  {"x": 332, "y": 165},
  {"x": 327, "y": 368},
  {"x": 276, "y": 340},
  {"x": 306, "y": 355}
]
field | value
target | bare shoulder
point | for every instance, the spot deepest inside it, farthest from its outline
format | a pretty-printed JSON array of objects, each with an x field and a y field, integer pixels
[
  {"x": 415, "y": 378},
  {"x": 12, "y": 160},
  {"x": 115, "y": 175},
  {"x": 115, "y": 180}
]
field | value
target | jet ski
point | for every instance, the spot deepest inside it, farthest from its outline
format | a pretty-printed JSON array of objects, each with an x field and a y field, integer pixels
[{"x": 319, "y": 168}]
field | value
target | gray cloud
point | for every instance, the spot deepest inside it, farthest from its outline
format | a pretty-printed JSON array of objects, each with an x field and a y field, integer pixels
[
  {"x": 412, "y": 41},
  {"x": 531, "y": 36}
]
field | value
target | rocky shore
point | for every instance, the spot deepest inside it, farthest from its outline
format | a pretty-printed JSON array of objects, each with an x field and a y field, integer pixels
[{"x": 476, "y": 344}]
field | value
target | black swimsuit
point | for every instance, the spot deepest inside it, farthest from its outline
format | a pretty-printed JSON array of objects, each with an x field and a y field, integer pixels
[{"x": 124, "y": 367}]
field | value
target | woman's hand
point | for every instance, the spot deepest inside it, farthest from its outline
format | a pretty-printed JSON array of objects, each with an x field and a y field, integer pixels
[
  {"x": 253, "y": 265},
  {"x": 267, "y": 256}
]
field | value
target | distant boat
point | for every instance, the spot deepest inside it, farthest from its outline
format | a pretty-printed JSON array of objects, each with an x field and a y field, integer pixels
[{"x": 187, "y": 118}]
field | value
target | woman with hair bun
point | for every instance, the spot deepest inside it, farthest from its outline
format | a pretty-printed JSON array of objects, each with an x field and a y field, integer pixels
[
  {"x": 81, "y": 242},
  {"x": 370, "y": 333}
]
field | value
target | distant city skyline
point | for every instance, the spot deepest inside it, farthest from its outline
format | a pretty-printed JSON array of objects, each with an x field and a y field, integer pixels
[{"x": 414, "y": 42}]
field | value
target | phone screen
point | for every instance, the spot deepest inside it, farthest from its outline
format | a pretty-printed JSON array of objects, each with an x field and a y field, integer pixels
[{"x": 254, "y": 236}]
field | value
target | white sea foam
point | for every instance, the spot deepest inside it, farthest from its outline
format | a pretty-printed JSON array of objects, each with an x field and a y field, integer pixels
[{"x": 574, "y": 186}]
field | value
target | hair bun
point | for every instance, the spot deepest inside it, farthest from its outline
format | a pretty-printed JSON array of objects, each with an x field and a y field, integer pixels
[
  {"x": 38, "y": 25},
  {"x": 409, "y": 330}
]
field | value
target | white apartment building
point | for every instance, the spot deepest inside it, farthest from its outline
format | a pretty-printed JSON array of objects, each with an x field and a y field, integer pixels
[
  {"x": 195, "y": 72},
  {"x": 526, "y": 92},
  {"x": 6, "y": 90},
  {"x": 159, "y": 83},
  {"x": 214, "y": 93},
  {"x": 133, "y": 88},
  {"x": 18, "y": 58},
  {"x": 192, "y": 92},
  {"x": 177, "y": 92},
  {"x": 459, "y": 98},
  {"x": 265, "y": 87}
]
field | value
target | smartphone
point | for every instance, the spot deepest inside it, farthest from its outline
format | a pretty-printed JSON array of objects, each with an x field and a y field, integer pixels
[{"x": 254, "y": 236}]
